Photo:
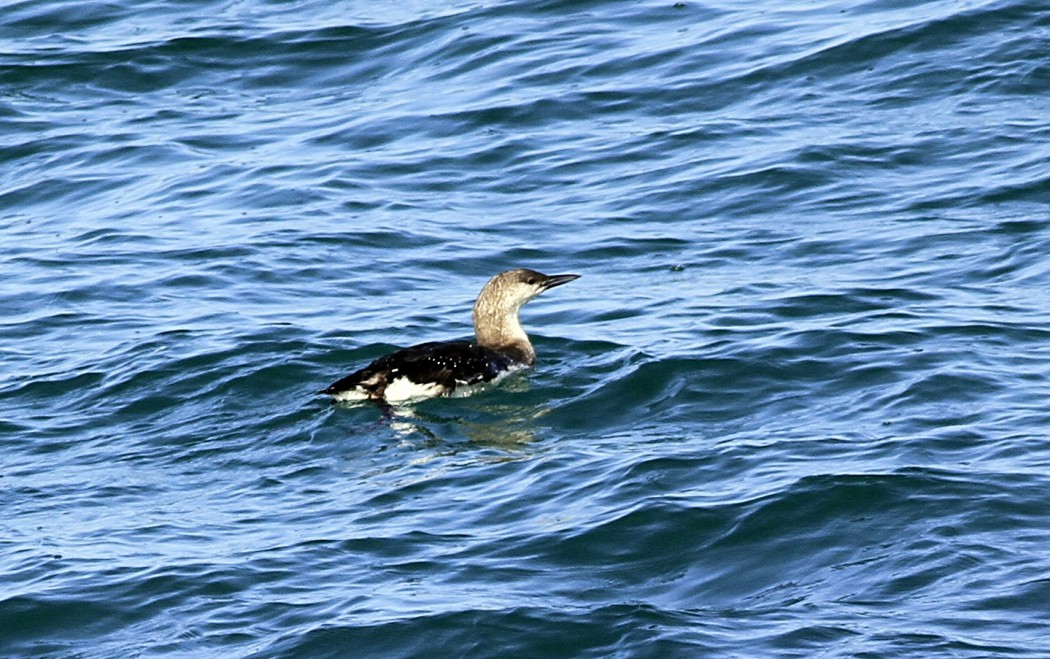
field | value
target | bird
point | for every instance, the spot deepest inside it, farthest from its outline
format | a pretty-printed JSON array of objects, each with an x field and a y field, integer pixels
[{"x": 445, "y": 368}]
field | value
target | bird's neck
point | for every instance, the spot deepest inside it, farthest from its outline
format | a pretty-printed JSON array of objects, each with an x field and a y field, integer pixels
[{"x": 500, "y": 330}]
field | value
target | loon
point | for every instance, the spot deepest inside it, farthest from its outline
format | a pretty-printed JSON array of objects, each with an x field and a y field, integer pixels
[{"x": 439, "y": 368}]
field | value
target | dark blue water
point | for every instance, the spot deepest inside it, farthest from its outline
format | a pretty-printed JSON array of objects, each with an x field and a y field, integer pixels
[{"x": 795, "y": 406}]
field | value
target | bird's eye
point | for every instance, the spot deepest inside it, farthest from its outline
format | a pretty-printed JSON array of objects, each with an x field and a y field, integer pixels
[{"x": 530, "y": 281}]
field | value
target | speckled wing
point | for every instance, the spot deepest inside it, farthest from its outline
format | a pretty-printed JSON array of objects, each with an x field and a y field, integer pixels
[{"x": 440, "y": 365}]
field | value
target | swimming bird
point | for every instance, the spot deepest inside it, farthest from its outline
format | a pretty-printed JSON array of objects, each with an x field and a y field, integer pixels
[{"x": 441, "y": 368}]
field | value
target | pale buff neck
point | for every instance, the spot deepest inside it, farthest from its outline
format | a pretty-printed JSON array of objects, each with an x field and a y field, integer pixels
[{"x": 496, "y": 326}]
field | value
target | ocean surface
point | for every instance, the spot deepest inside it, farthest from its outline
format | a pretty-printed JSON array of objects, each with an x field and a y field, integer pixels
[{"x": 797, "y": 405}]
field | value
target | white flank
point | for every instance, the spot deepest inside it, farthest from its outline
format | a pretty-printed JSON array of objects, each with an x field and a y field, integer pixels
[
  {"x": 404, "y": 389},
  {"x": 350, "y": 395}
]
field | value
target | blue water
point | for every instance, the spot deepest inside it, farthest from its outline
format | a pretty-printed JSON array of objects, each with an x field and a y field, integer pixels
[{"x": 796, "y": 405}]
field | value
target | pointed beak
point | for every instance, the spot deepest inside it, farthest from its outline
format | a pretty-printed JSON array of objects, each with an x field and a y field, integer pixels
[{"x": 558, "y": 280}]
